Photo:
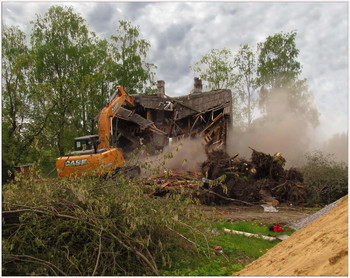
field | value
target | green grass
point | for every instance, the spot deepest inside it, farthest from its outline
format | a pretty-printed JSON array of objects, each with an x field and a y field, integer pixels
[
  {"x": 238, "y": 250},
  {"x": 254, "y": 227}
]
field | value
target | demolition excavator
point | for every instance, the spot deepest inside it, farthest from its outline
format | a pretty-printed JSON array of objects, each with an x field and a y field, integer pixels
[{"x": 99, "y": 154}]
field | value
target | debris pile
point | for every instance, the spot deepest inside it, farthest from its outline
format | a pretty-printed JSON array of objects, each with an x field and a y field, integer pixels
[
  {"x": 171, "y": 181},
  {"x": 262, "y": 179},
  {"x": 233, "y": 179}
]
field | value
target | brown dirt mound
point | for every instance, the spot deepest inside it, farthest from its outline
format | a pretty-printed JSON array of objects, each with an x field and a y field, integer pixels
[{"x": 319, "y": 249}]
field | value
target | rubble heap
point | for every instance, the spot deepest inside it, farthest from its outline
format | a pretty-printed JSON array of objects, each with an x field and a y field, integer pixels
[
  {"x": 261, "y": 179},
  {"x": 170, "y": 182}
]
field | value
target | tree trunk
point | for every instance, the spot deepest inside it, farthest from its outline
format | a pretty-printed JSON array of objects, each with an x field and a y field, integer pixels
[
  {"x": 60, "y": 134},
  {"x": 60, "y": 139}
]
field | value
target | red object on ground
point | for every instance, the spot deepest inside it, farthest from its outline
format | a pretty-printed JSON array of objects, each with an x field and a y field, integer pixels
[{"x": 277, "y": 228}]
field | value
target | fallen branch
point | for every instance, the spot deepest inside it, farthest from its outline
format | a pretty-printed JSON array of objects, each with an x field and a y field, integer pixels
[
  {"x": 41, "y": 211},
  {"x": 143, "y": 257},
  {"x": 37, "y": 260},
  {"x": 278, "y": 186},
  {"x": 165, "y": 184},
  {"x": 226, "y": 198},
  {"x": 99, "y": 252},
  {"x": 130, "y": 248},
  {"x": 269, "y": 238},
  {"x": 71, "y": 261},
  {"x": 196, "y": 244},
  {"x": 233, "y": 157}
]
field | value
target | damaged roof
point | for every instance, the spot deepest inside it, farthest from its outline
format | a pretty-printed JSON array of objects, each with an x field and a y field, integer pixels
[{"x": 190, "y": 104}]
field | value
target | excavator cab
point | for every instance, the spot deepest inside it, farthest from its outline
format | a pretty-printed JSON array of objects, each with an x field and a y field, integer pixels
[
  {"x": 86, "y": 145},
  {"x": 86, "y": 142}
]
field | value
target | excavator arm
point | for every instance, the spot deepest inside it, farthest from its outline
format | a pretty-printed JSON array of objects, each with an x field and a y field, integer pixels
[
  {"x": 106, "y": 157},
  {"x": 105, "y": 129}
]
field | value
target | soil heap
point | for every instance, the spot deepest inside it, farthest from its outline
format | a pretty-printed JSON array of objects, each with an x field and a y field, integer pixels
[
  {"x": 318, "y": 249},
  {"x": 262, "y": 178}
]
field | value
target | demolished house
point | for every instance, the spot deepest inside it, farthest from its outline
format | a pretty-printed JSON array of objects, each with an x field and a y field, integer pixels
[{"x": 207, "y": 115}]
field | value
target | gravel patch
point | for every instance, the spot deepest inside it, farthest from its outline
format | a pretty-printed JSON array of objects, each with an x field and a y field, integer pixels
[{"x": 306, "y": 221}]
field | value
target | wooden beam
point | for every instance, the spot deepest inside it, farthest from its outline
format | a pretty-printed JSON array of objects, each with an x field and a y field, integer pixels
[{"x": 217, "y": 118}]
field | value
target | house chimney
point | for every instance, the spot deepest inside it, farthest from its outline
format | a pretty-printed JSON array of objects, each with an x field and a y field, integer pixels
[
  {"x": 197, "y": 85},
  {"x": 161, "y": 88}
]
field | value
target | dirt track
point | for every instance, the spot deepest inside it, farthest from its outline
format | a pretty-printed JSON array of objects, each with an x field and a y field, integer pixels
[
  {"x": 286, "y": 214},
  {"x": 319, "y": 249}
]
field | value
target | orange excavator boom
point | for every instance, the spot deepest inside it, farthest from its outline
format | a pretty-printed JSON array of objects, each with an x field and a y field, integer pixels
[
  {"x": 96, "y": 155},
  {"x": 105, "y": 130}
]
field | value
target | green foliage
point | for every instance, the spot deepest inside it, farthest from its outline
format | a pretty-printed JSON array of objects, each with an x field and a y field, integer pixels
[
  {"x": 86, "y": 227},
  {"x": 272, "y": 72},
  {"x": 277, "y": 66},
  {"x": 129, "y": 53},
  {"x": 245, "y": 64},
  {"x": 278, "y": 80},
  {"x": 95, "y": 86},
  {"x": 59, "y": 40},
  {"x": 54, "y": 88},
  {"x": 327, "y": 179},
  {"x": 17, "y": 135},
  {"x": 216, "y": 68},
  {"x": 255, "y": 227},
  {"x": 238, "y": 250}
]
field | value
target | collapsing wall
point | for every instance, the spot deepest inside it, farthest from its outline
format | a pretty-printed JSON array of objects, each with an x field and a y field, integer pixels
[{"x": 199, "y": 114}]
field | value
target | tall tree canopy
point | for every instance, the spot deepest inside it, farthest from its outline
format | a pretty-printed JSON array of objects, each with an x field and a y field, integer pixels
[
  {"x": 16, "y": 106},
  {"x": 277, "y": 65},
  {"x": 62, "y": 45},
  {"x": 272, "y": 72},
  {"x": 278, "y": 78},
  {"x": 15, "y": 62},
  {"x": 216, "y": 68},
  {"x": 96, "y": 85},
  {"x": 54, "y": 88},
  {"x": 245, "y": 65},
  {"x": 129, "y": 53}
]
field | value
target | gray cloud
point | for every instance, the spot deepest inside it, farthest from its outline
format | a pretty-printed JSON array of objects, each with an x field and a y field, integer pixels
[
  {"x": 133, "y": 10},
  {"x": 180, "y": 33},
  {"x": 101, "y": 17},
  {"x": 175, "y": 35}
]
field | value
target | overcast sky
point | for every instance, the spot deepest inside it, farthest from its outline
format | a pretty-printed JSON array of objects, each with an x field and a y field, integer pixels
[{"x": 180, "y": 33}]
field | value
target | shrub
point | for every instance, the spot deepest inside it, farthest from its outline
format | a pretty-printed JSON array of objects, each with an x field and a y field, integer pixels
[
  {"x": 87, "y": 226},
  {"x": 327, "y": 179}
]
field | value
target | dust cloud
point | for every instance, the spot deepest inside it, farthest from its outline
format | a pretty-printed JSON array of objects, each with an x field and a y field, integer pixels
[
  {"x": 338, "y": 146},
  {"x": 284, "y": 131},
  {"x": 279, "y": 130},
  {"x": 188, "y": 155},
  {"x": 185, "y": 155}
]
